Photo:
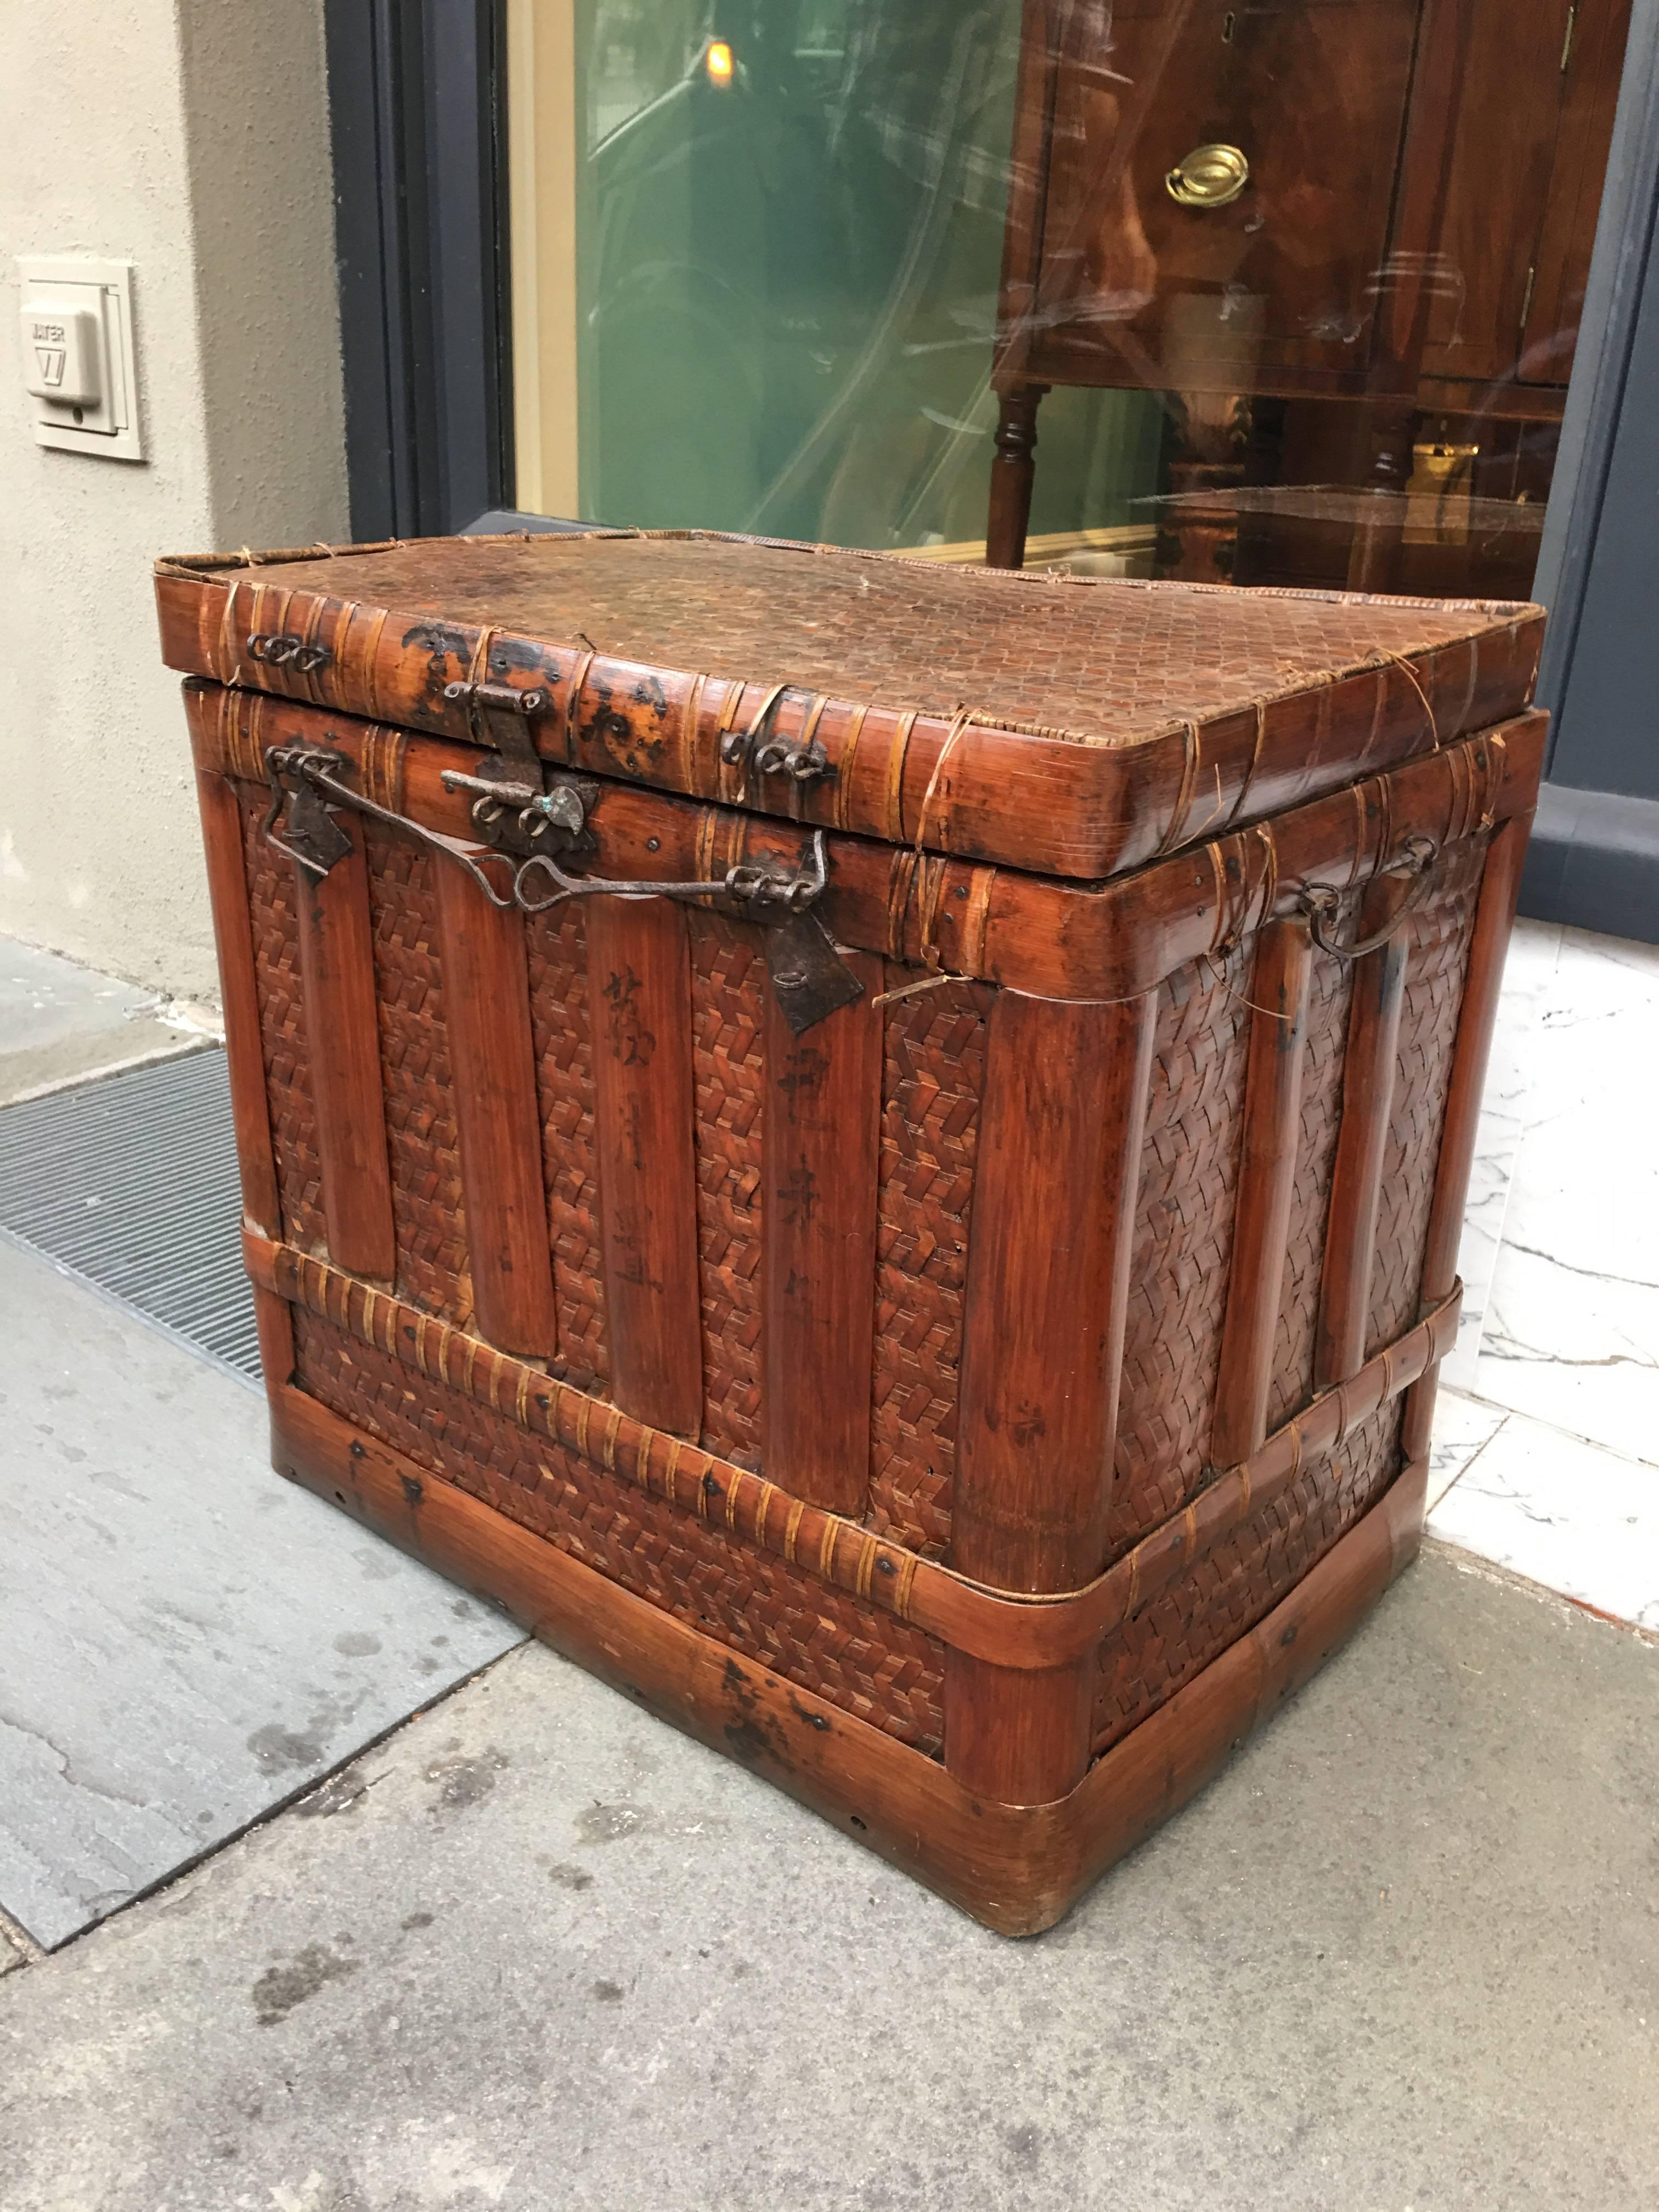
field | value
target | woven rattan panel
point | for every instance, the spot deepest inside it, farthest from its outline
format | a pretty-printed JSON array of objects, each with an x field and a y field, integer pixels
[
  {"x": 728, "y": 976},
  {"x": 1194, "y": 1620},
  {"x": 1183, "y": 1240},
  {"x": 861, "y": 1659},
  {"x": 1330, "y": 987},
  {"x": 557, "y": 946},
  {"x": 283, "y": 1032},
  {"x": 1436, "y": 958},
  {"x": 933, "y": 1072},
  {"x": 427, "y": 1208},
  {"x": 1113, "y": 659}
]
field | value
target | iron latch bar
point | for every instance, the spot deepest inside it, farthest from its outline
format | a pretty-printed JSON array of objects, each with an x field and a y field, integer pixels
[{"x": 499, "y": 719}]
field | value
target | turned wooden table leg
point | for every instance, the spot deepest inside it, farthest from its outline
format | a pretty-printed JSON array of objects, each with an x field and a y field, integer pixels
[
  {"x": 1374, "y": 556},
  {"x": 1013, "y": 472},
  {"x": 1198, "y": 537}
]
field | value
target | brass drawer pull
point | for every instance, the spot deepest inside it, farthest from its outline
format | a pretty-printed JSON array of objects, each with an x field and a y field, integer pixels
[{"x": 1208, "y": 177}]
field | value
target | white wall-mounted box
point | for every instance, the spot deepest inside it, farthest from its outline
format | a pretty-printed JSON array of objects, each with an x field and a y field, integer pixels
[{"x": 79, "y": 366}]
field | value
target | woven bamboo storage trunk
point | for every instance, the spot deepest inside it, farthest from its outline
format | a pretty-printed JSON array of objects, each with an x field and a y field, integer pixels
[{"x": 877, "y": 1151}]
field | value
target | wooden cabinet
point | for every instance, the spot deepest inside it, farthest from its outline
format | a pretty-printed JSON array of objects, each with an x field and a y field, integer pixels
[{"x": 1390, "y": 202}]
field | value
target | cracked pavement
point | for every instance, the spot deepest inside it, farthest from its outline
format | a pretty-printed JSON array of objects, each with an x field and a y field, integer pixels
[{"x": 535, "y": 1949}]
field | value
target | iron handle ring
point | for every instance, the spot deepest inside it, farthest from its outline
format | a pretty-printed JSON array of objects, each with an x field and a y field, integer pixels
[
  {"x": 277, "y": 649},
  {"x": 1320, "y": 902}
]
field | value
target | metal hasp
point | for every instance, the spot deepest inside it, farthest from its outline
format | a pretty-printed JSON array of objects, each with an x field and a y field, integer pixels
[
  {"x": 539, "y": 828},
  {"x": 519, "y": 809},
  {"x": 499, "y": 718},
  {"x": 297, "y": 775}
]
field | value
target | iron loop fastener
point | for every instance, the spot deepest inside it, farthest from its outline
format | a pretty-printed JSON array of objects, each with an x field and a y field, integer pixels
[
  {"x": 1321, "y": 902},
  {"x": 282, "y": 649},
  {"x": 760, "y": 749},
  {"x": 307, "y": 779}
]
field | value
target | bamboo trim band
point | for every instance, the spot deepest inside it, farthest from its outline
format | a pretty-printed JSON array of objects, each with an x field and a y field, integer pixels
[
  {"x": 1009, "y": 1628},
  {"x": 981, "y": 912},
  {"x": 703, "y": 778}
]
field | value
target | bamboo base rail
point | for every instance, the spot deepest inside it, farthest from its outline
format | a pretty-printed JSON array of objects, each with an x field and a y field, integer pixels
[
  {"x": 1010, "y": 1629},
  {"x": 1015, "y": 1867}
]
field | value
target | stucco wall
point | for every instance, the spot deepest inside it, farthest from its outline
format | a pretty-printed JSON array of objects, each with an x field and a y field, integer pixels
[{"x": 190, "y": 137}]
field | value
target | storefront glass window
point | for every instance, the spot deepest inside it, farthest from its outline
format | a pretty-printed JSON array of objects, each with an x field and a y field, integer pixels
[{"x": 780, "y": 266}]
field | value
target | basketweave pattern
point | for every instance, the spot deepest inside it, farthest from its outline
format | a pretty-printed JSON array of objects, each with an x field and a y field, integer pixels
[
  {"x": 427, "y": 1207},
  {"x": 933, "y": 1077},
  {"x": 1194, "y": 1620},
  {"x": 1105, "y": 661},
  {"x": 1330, "y": 988},
  {"x": 1183, "y": 1240},
  {"x": 1437, "y": 959},
  {"x": 728, "y": 975},
  {"x": 270, "y": 891},
  {"x": 557, "y": 942},
  {"x": 860, "y": 1658}
]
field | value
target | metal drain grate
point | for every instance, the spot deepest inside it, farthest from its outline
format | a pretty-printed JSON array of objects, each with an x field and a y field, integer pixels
[{"x": 131, "y": 1184}]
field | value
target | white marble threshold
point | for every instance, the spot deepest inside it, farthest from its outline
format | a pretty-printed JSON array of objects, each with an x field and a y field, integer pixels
[
  {"x": 1546, "y": 1454},
  {"x": 1555, "y": 1508}
]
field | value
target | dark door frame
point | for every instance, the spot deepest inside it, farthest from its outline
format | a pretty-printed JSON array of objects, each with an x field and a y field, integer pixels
[
  {"x": 418, "y": 115},
  {"x": 1594, "y": 861},
  {"x": 418, "y": 98}
]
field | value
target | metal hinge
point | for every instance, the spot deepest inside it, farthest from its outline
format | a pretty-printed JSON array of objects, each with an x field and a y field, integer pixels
[{"x": 1566, "y": 43}]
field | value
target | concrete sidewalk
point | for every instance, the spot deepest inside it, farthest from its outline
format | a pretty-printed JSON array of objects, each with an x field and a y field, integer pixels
[
  {"x": 60, "y": 1023},
  {"x": 531, "y": 1950},
  {"x": 186, "y": 1640},
  {"x": 536, "y": 1950}
]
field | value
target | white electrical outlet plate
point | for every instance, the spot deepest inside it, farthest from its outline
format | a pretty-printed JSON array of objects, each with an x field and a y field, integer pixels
[{"x": 79, "y": 366}]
